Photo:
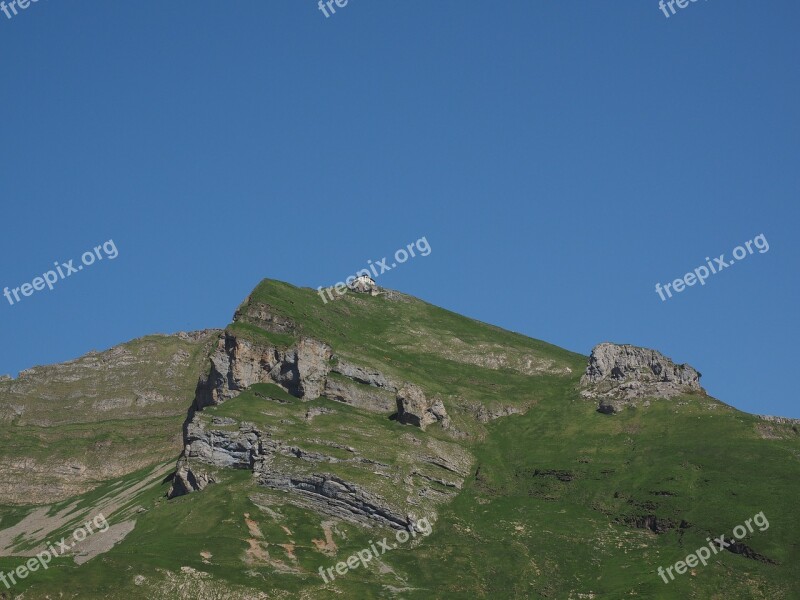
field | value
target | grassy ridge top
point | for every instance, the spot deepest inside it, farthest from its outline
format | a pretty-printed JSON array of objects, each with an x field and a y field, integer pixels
[
  {"x": 412, "y": 340},
  {"x": 386, "y": 319}
]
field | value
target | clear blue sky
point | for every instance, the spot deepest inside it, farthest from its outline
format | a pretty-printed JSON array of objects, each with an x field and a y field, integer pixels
[{"x": 561, "y": 158}]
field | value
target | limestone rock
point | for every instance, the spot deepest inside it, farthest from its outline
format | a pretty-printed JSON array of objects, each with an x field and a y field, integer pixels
[
  {"x": 233, "y": 449},
  {"x": 186, "y": 481},
  {"x": 363, "y": 375},
  {"x": 363, "y": 396},
  {"x": 620, "y": 375},
  {"x": 781, "y": 420},
  {"x": 333, "y": 495},
  {"x": 313, "y": 360},
  {"x": 238, "y": 363},
  {"x": 484, "y": 414},
  {"x": 413, "y": 408}
]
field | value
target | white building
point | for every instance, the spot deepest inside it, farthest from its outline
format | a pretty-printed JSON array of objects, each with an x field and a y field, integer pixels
[
  {"x": 364, "y": 283},
  {"x": 365, "y": 280}
]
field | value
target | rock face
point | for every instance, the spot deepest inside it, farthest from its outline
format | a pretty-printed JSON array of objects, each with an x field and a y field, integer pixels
[
  {"x": 781, "y": 420},
  {"x": 413, "y": 408},
  {"x": 287, "y": 464},
  {"x": 619, "y": 375},
  {"x": 280, "y": 460},
  {"x": 373, "y": 399},
  {"x": 223, "y": 448},
  {"x": 237, "y": 364},
  {"x": 336, "y": 497},
  {"x": 363, "y": 375},
  {"x": 308, "y": 370}
]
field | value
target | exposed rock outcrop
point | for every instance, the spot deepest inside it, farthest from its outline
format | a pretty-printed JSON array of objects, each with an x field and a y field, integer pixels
[
  {"x": 308, "y": 370},
  {"x": 219, "y": 442},
  {"x": 186, "y": 481},
  {"x": 363, "y": 375},
  {"x": 304, "y": 370},
  {"x": 413, "y": 408},
  {"x": 619, "y": 375},
  {"x": 223, "y": 448},
  {"x": 373, "y": 399},
  {"x": 781, "y": 420},
  {"x": 484, "y": 414},
  {"x": 238, "y": 363},
  {"x": 312, "y": 360},
  {"x": 336, "y": 496}
]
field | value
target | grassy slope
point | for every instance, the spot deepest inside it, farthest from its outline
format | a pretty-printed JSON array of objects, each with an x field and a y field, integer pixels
[
  {"x": 538, "y": 536},
  {"x": 512, "y": 532},
  {"x": 85, "y": 422},
  {"x": 418, "y": 342}
]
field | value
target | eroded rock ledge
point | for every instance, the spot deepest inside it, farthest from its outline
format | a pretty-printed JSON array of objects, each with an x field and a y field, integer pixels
[
  {"x": 309, "y": 370},
  {"x": 237, "y": 364},
  {"x": 303, "y": 467}
]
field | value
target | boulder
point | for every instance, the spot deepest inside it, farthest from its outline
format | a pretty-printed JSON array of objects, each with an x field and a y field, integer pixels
[
  {"x": 185, "y": 481},
  {"x": 413, "y": 408}
]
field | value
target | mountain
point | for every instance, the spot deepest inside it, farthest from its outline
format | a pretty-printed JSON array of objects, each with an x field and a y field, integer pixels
[{"x": 371, "y": 445}]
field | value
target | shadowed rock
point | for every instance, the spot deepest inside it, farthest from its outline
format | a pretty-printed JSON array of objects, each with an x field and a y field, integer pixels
[{"x": 413, "y": 408}]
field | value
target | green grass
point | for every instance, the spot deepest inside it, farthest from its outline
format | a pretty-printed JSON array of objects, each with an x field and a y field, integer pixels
[
  {"x": 548, "y": 510},
  {"x": 256, "y": 334}
]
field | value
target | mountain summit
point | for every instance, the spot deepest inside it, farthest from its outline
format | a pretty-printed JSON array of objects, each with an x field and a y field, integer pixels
[{"x": 307, "y": 430}]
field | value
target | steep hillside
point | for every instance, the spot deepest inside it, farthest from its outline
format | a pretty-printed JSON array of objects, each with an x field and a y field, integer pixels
[
  {"x": 489, "y": 464},
  {"x": 68, "y": 427}
]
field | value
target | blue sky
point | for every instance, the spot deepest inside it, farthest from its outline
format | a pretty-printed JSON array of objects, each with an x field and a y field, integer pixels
[{"x": 561, "y": 158}]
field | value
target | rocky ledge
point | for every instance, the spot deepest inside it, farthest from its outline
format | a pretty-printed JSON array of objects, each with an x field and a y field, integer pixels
[
  {"x": 304, "y": 465},
  {"x": 620, "y": 375},
  {"x": 310, "y": 370}
]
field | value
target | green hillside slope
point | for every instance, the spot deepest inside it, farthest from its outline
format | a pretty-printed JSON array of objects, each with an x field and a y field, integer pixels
[{"x": 529, "y": 490}]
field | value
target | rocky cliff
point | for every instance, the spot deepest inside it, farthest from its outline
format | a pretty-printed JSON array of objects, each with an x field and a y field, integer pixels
[
  {"x": 620, "y": 374},
  {"x": 307, "y": 369},
  {"x": 348, "y": 472}
]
